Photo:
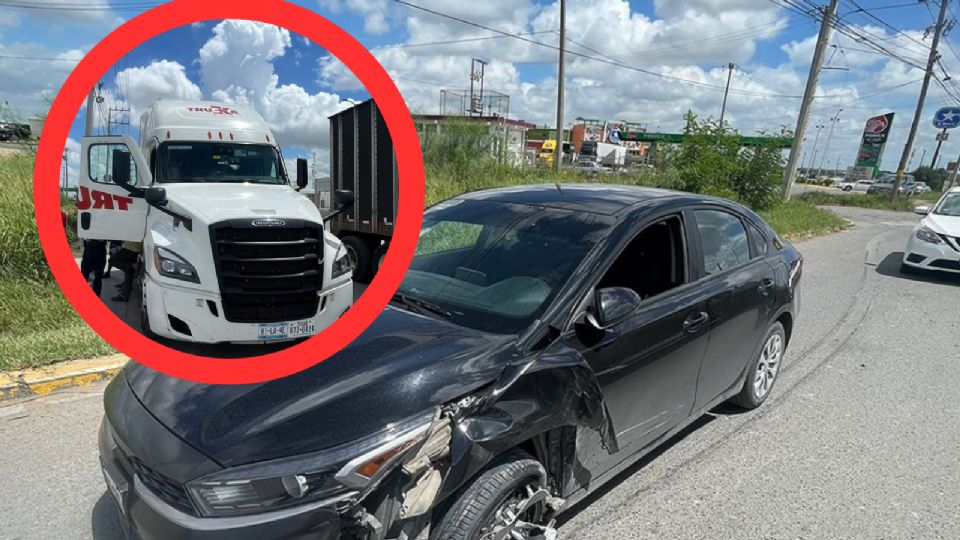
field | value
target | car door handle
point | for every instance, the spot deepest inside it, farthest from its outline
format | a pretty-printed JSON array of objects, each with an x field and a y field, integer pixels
[
  {"x": 695, "y": 322},
  {"x": 765, "y": 286}
]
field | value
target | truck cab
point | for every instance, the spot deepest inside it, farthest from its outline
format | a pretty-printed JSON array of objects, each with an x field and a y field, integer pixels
[{"x": 231, "y": 251}]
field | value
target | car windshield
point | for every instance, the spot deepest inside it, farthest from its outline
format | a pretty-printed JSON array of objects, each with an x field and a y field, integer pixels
[
  {"x": 495, "y": 266},
  {"x": 219, "y": 162},
  {"x": 949, "y": 206}
]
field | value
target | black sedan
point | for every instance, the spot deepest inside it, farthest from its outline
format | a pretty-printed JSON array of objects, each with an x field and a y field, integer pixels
[{"x": 545, "y": 338}]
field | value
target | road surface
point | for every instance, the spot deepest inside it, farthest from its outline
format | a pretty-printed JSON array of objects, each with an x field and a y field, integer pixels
[{"x": 859, "y": 439}]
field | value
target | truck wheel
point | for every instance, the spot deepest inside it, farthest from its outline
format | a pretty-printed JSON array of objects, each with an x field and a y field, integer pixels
[
  {"x": 507, "y": 500},
  {"x": 378, "y": 256},
  {"x": 359, "y": 255},
  {"x": 145, "y": 321}
]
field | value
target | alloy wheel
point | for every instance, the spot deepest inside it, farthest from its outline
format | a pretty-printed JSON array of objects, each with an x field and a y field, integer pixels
[{"x": 768, "y": 366}]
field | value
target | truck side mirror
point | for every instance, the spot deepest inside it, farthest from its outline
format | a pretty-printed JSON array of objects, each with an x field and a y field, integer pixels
[
  {"x": 343, "y": 198},
  {"x": 301, "y": 173},
  {"x": 121, "y": 167},
  {"x": 155, "y": 195}
]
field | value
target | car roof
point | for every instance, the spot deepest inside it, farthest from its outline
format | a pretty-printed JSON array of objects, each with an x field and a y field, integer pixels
[{"x": 606, "y": 199}]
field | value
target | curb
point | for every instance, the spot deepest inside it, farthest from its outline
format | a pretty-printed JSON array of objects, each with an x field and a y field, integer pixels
[{"x": 42, "y": 381}]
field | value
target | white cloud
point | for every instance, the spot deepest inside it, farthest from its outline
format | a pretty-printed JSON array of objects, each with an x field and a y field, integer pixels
[
  {"x": 159, "y": 79},
  {"x": 237, "y": 66},
  {"x": 374, "y": 12}
]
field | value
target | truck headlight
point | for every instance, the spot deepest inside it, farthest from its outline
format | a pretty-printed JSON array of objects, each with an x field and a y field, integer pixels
[
  {"x": 171, "y": 265},
  {"x": 343, "y": 473},
  {"x": 341, "y": 264},
  {"x": 928, "y": 236}
]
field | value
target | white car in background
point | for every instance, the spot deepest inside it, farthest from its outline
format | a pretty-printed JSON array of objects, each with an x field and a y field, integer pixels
[
  {"x": 922, "y": 187},
  {"x": 935, "y": 242},
  {"x": 861, "y": 185}
]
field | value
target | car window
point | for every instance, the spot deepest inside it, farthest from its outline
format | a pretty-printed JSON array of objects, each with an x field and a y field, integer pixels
[
  {"x": 723, "y": 239},
  {"x": 759, "y": 242},
  {"x": 653, "y": 263}
]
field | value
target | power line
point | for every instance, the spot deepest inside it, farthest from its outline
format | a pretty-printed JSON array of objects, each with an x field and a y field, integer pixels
[
  {"x": 604, "y": 60},
  {"x": 71, "y": 6},
  {"x": 39, "y": 58}
]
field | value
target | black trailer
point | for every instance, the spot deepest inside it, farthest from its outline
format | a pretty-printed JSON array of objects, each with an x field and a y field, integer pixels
[{"x": 362, "y": 160}]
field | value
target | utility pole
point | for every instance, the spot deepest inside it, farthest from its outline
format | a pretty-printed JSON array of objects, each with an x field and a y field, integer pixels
[
  {"x": 88, "y": 127},
  {"x": 833, "y": 122},
  {"x": 723, "y": 109},
  {"x": 942, "y": 136},
  {"x": 829, "y": 16},
  {"x": 558, "y": 152},
  {"x": 953, "y": 177},
  {"x": 931, "y": 62},
  {"x": 816, "y": 141}
]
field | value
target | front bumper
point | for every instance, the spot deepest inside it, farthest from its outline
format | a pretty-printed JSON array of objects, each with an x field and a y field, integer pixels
[
  {"x": 935, "y": 257},
  {"x": 208, "y": 325},
  {"x": 148, "y": 516}
]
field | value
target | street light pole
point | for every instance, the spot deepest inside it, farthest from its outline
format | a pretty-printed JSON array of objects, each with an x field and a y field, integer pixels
[
  {"x": 723, "y": 108},
  {"x": 833, "y": 122}
]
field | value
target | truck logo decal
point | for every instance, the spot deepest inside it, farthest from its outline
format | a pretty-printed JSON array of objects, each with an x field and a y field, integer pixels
[
  {"x": 268, "y": 222},
  {"x": 215, "y": 109},
  {"x": 101, "y": 200}
]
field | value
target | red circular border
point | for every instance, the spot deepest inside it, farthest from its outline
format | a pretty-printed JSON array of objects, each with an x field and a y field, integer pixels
[{"x": 241, "y": 370}]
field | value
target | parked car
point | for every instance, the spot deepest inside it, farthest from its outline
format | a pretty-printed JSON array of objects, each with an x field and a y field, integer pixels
[
  {"x": 858, "y": 185},
  {"x": 935, "y": 242},
  {"x": 589, "y": 167},
  {"x": 922, "y": 187},
  {"x": 544, "y": 339},
  {"x": 885, "y": 184}
]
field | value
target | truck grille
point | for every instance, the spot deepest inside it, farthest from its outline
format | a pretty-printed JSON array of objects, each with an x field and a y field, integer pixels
[{"x": 268, "y": 274}]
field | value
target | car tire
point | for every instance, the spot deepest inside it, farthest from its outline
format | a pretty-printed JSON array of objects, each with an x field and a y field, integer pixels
[
  {"x": 848, "y": 188},
  {"x": 764, "y": 369},
  {"x": 359, "y": 254},
  {"x": 475, "y": 509}
]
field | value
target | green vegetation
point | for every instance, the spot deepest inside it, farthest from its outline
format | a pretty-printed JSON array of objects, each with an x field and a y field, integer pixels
[
  {"x": 877, "y": 202},
  {"x": 37, "y": 324},
  {"x": 797, "y": 220},
  {"x": 935, "y": 178}
]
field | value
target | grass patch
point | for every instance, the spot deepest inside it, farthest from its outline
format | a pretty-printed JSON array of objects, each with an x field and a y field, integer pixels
[
  {"x": 797, "y": 220},
  {"x": 876, "y": 202},
  {"x": 37, "y": 324}
]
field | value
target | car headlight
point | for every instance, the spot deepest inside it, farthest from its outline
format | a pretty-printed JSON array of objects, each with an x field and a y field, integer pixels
[
  {"x": 928, "y": 236},
  {"x": 174, "y": 266},
  {"x": 343, "y": 473},
  {"x": 341, "y": 264}
]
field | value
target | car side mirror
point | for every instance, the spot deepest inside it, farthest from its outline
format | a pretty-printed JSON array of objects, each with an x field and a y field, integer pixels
[
  {"x": 120, "y": 170},
  {"x": 343, "y": 198},
  {"x": 155, "y": 196},
  {"x": 922, "y": 210},
  {"x": 612, "y": 306},
  {"x": 301, "y": 173}
]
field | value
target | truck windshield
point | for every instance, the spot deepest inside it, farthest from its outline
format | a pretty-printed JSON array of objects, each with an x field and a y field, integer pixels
[
  {"x": 219, "y": 162},
  {"x": 496, "y": 266}
]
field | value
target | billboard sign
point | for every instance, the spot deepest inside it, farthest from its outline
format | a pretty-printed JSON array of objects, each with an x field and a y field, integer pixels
[{"x": 875, "y": 134}]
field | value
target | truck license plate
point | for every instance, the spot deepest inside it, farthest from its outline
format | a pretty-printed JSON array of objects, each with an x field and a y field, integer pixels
[{"x": 287, "y": 330}]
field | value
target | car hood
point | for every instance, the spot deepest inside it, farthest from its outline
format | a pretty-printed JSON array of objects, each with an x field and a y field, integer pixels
[
  {"x": 948, "y": 225},
  {"x": 402, "y": 365},
  {"x": 210, "y": 202}
]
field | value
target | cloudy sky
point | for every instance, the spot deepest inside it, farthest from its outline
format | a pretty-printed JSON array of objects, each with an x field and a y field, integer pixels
[{"x": 670, "y": 57}]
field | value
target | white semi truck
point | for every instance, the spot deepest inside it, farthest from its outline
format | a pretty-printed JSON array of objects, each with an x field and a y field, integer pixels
[{"x": 231, "y": 251}]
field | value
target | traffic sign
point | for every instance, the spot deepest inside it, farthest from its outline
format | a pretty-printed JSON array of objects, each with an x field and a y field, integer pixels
[{"x": 947, "y": 118}]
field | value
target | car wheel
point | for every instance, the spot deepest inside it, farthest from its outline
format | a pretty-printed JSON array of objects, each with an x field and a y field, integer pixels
[
  {"x": 764, "y": 369},
  {"x": 507, "y": 500},
  {"x": 848, "y": 188},
  {"x": 359, "y": 254}
]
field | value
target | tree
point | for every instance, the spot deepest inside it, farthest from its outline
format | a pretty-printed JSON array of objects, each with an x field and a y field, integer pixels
[{"x": 934, "y": 178}]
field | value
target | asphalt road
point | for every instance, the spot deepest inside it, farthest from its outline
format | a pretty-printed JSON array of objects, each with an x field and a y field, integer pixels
[{"x": 860, "y": 438}]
